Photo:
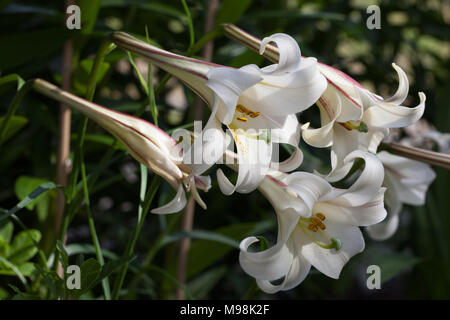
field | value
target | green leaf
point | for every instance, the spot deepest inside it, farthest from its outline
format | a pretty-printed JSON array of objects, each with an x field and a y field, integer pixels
[
  {"x": 5, "y": 264},
  {"x": 263, "y": 243},
  {"x": 22, "y": 295},
  {"x": 25, "y": 185},
  {"x": 27, "y": 268},
  {"x": 23, "y": 246},
  {"x": 12, "y": 78},
  {"x": 231, "y": 10},
  {"x": 63, "y": 254},
  {"x": 82, "y": 73},
  {"x": 204, "y": 253},
  {"x": 111, "y": 266},
  {"x": 78, "y": 248},
  {"x": 6, "y": 231},
  {"x": 201, "y": 234},
  {"x": 15, "y": 124},
  {"x": 90, "y": 270},
  {"x": 145, "y": 5},
  {"x": 102, "y": 139},
  {"x": 204, "y": 283},
  {"x": 33, "y": 195},
  {"x": 393, "y": 264},
  {"x": 89, "y": 12},
  {"x": 3, "y": 294}
]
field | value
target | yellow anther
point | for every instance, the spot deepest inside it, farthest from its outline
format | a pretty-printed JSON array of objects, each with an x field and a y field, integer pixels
[
  {"x": 241, "y": 108},
  {"x": 321, "y": 216},
  {"x": 322, "y": 226},
  {"x": 242, "y": 119},
  {"x": 316, "y": 221},
  {"x": 313, "y": 227}
]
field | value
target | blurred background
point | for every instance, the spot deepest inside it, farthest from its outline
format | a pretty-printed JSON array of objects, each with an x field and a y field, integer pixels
[{"x": 415, "y": 263}]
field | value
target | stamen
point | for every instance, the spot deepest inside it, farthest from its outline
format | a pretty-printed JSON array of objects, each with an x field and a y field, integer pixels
[
  {"x": 242, "y": 119},
  {"x": 320, "y": 215},
  {"x": 241, "y": 108},
  {"x": 315, "y": 225},
  {"x": 316, "y": 221}
]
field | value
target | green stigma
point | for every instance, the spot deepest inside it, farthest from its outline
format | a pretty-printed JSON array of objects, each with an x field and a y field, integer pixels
[{"x": 363, "y": 127}]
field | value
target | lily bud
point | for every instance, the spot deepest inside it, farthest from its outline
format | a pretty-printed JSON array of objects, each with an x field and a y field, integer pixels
[{"x": 145, "y": 142}]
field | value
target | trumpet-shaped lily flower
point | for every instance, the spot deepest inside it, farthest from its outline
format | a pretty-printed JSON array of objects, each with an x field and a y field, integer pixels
[
  {"x": 145, "y": 142},
  {"x": 407, "y": 181},
  {"x": 258, "y": 105},
  {"x": 354, "y": 118},
  {"x": 318, "y": 225}
]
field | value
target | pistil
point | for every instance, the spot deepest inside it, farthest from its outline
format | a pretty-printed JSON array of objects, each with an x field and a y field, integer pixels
[{"x": 362, "y": 127}]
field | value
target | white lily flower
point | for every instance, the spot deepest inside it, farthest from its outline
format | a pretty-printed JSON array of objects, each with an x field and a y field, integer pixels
[
  {"x": 441, "y": 139},
  {"x": 407, "y": 181},
  {"x": 147, "y": 143},
  {"x": 257, "y": 105},
  {"x": 354, "y": 118},
  {"x": 318, "y": 225}
]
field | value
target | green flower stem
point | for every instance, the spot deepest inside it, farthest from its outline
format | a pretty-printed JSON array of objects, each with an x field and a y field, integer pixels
[
  {"x": 105, "y": 48},
  {"x": 49, "y": 90},
  {"x": 143, "y": 210},
  {"x": 190, "y": 24},
  {"x": 15, "y": 103},
  {"x": 95, "y": 242},
  {"x": 157, "y": 245},
  {"x": 250, "y": 41},
  {"x": 151, "y": 89}
]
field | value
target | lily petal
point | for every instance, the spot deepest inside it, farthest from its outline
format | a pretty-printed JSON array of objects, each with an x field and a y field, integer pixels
[
  {"x": 368, "y": 183},
  {"x": 403, "y": 87},
  {"x": 254, "y": 157},
  {"x": 388, "y": 227},
  {"x": 329, "y": 261},
  {"x": 270, "y": 264},
  {"x": 289, "y": 134},
  {"x": 208, "y": 148},
  {"x": 175, "y": 205},
  {"x": 297, "y": 273},
  {"x": 409, "y": 178},
  {"x": 367, "y": 214},
  {"x": 344, "y": 142},
  {"x": 389, "y": 115},
  {"x": 290, "y": 55},
  {"x": 309, "y": 187},
  {"x": 228, "y": 84},
  {"x": 330, "y": 109},
  {"x": 191, "y": 71}
]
